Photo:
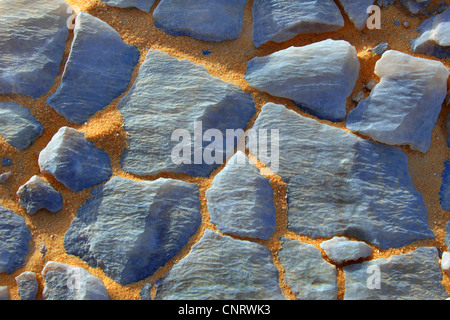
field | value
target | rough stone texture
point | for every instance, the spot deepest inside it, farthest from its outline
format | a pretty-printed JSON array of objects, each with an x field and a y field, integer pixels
[
  {"x": 447, "y": 235},
  {"x": 75, "y": 161},
  {"x": 357, "y": 11},
  {"x": 366, "y": 185},
  {"x": 445, "y": 187},
  {"x": 340, "y": 250},
  {"x": 318, "y": 77},
  {"x": 281, "y": 20},
  {"x": 37, "y": 194},
  {"x": 221, "y": 268},
  {"x": 36, "y": 34},
  {"x": 18, "y": 126},
  {"x": 306, "y": 272},
  {"x": 413, "y": 276},
  {"x": 14, "y": 238},
  {"x": 4, "y": 293},
  {"x": 434, "y": 36},
  {"x": 66, "y": 282},
  {"x": 27, "y": 285},
  {"x": 161, "y": 101},
  {"x": 218, "y": 20},
  {"x": 403, "y": 108},
  {"x": 144, "y": 5},
  {"x": 130, "y": 229},
  {"x": 98, "y": 70},
  {"x": 240, "y": 200},
  {"x": 415, "y": 6}
]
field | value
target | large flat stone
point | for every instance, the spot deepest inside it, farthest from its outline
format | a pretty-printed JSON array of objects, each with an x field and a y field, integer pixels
[
  {"x": 218, "y": 20},
  {"x": 434, "y": 36},
  {"x": 306, "y": 272},
  {"x": 413, "y": 276},
  {"x": 221, "y": 268},
  {"x": 240, "y": 200},
  {"x": 341, "y": 184},
  {"x": 318, "y": 77},
  {"x": 75, "y": 161},
  {"x": 404, "y": 106},
  {"x": 18, "y": 126},
  {"x": 144, "y": 5},
  {"x": 98, "y": 70},
  {"x": 129, "y": 229},
  {"x": 14, "y": 239},
  {"x": 32, "y": 38},
  {"x": 281, "y": 20},
  {"x": 170, "y": 95}
]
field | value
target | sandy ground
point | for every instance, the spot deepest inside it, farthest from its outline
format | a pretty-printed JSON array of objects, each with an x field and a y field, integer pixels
[{"x": 228, "y": 62}]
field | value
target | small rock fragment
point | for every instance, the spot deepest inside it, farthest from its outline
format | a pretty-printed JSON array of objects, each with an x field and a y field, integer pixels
[
  {"x": 403, "y": 108},
  {"x": 5, "y": 176},
  {"x": 444, "y": 193},
  {"x": 435, "y": 36},
  {"x": 445, "y": 262},
  {"x": 340, "y": 250},
  {"x": 37, "y": 194},
  {"x": 380, "y": 48},
  {"x": 18, "y": 126},
  {"x": 27, "y": 285},
  {"x": 75, "y": 161},
  {"x": 66, "y": 282},
  {"x": 6, "y": 162}
]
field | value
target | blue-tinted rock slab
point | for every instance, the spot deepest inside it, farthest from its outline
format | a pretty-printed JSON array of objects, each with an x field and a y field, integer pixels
[
  {"x": 240, "y": 200},
  {"x": 14, "y": 238},
  {"x": 318, "y": 77},
  {"x": 340, "y": 250},
  {"x": 170, "y": 96},
  {"x": 413, "y": 276},
  {"x": 357, "y": 11},
  {"x": 281, "y": 20},
  {"x": 75, "y": 161},
  {"x": 144, "y": 5},
  {"x": 27, "y": 285},
  {"x": 403, "y": 108},
  {"x": 306, "y": 272},
  {"x": 415, "y": 6},
  {"x": 130, "y": 229},
  {"x": 18, "y": 126},
  {"x": 434, "y": 36},
  {"x": 218, "y": 20},
  {"x": 66, "y": 282},
  {"x": 98, "y": 70},
  {"x": 221, "y": 268},
  {"x": 37, "y": 193},
  {"x": 32, "y": 42},
  {"x": 341, "y": 184},
  {"x": 445, "y": 187}
]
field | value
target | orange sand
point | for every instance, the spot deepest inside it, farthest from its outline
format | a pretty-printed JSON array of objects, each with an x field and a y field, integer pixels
[{"x": 228, "y": 61}]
